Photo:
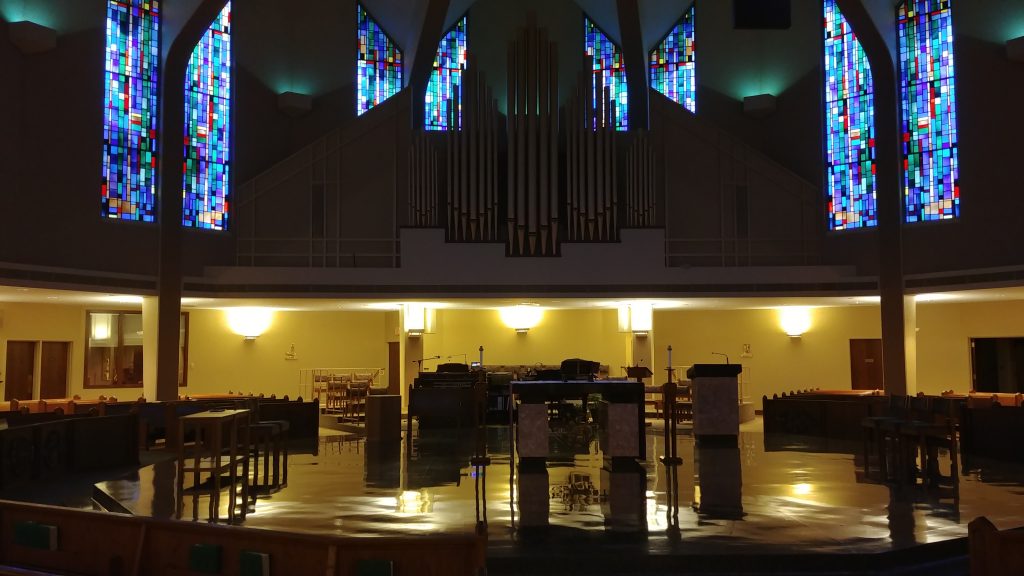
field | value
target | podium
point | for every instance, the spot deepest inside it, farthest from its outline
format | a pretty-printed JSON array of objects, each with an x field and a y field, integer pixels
[
  {"x": 715, "y": 391},
  {"x": 638, "y": 372}
]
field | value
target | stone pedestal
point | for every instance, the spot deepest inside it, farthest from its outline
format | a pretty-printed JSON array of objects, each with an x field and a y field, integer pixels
[
  {"x": 624, "y": 505},
  {"x": 534, "y": 495},
  {"x": 532, "y": 431},
  {"x": 715, "y": 391},
  {"x": 620, "y": 434}
]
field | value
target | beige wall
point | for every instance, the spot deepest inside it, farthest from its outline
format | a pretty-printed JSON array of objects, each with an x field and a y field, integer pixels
[
  {"x": 561, "y": 334},
  {"x": 943, "y": 339},
  {"x": 221, "y": 361},
  {"x": 778, "y": 363}
]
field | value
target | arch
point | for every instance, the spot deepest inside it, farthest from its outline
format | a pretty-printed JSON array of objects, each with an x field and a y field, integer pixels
[{"x": 850, "y": 163}]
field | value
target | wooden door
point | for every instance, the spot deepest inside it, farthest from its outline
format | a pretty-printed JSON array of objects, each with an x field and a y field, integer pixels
[
  {"x": 21, "y": 364},
  {"x": 394, "y": 368},
  {"x": 866, "y": 364},
  {"x": 53, "y": 370}
]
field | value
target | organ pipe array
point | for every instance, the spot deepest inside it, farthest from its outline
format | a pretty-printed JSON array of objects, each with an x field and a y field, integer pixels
[
  {"x": 422, "y": 182},
  {"x": 532, "y": 127},
  {"x": 640, "y": 187},
  {"x": 472, "y": 161},
  {"x": 591, "y": 175}
]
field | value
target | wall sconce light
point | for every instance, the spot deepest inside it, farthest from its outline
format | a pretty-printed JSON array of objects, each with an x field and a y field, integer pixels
[
  {"x": 249, "y": 322},
  {"x": 1015, "y": 49},
  {"x": 636, "y": 317},
  {"x": 294, "y": 104},
  {"x": 759, "y": 106},
  {"x": 521, "y": 317},
  {"x": 32, "y": 38},
  {"x": 417, "y": 318},
  {"x": 795, "y": 320}
]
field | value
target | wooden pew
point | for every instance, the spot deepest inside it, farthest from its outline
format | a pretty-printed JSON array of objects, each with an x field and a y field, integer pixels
[
  {"x": 994, "y": 552},
  {"x": 98, "y": 543}
]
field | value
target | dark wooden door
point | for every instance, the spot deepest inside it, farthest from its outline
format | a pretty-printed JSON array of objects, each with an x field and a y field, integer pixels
[
  {"x": 394, "y": 368},
  {"x": 53, "y": 370},
  {"x": 866, "y": 364},
  {"x": 21, "y": 363}
]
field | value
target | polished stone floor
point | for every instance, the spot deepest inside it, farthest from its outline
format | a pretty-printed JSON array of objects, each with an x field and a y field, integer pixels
[{"x": 786, "y": 496}]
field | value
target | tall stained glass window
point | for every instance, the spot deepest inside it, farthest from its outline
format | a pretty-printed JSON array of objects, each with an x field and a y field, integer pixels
[
  {"x": 208, "y": 128},
  {"x": 446, "y": 80},
  {"x": 609, "y": 73},
  {"x": 130, "y": 111},
  {"x": 931, "y": 176},
  {"x": 849, "y": 126},
  {"x": 379, "y": 64},
  {"x": 673, "y": 64}
]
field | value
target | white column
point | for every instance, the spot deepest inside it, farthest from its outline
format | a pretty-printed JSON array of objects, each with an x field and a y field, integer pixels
[{"x": 150, "y": 337}]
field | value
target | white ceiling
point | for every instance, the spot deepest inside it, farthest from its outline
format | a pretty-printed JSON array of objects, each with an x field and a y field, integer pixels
[{"x": 13, "y": 294}]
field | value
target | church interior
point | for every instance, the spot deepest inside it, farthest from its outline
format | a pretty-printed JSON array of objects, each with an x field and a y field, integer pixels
[{"x": 468, "y": 287}]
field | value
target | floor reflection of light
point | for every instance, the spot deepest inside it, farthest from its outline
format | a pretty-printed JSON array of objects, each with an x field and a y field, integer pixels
[
  {"x": 412, "y": 502},
  {"x": 802, "y": 489}
]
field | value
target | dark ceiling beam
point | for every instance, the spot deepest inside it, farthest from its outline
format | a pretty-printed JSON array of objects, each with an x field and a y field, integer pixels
[
  {"x": 172, "y": 156},
  {"x": 423, "y": 62},
  {"x": 635, "y": 59},
  {"x": 889, "y": 192}
]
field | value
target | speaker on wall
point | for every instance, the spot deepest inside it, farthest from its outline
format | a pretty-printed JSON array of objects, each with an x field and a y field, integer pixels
[{"x": 761, "y": 14}]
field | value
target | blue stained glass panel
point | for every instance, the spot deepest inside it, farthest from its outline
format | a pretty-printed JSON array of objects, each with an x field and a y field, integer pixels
[
  {"x": 931, "y": 174},
  {"x": 131, "y": 110},
  {"x": 445, "y": 85},
  {"x": 207, "y": 169},
  {"x": 673, "y": 64},
  {"x": 609, "y": 81},
  {"x": 849, "y": 127},
  {"x": 378, "y": 64}
]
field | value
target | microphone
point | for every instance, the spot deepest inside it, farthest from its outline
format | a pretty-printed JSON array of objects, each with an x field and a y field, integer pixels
[{"x": 722, "y": 354}]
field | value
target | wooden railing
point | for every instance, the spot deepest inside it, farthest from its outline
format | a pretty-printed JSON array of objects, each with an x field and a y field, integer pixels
[{"x": 87, "y": 543}]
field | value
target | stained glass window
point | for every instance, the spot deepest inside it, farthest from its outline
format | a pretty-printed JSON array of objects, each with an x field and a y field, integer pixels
[
  {"x": 379, "y": 64},
  {"x": 673, "y": 64},
  {"x": 849, "y": 126},
  {"x": 208, "y": 128},
  {"x": 446, "y": 80},
  {"x": 609, "y": 73},
  {"x": 130, "y": 111},
  {"x": 931, "y": 176}
]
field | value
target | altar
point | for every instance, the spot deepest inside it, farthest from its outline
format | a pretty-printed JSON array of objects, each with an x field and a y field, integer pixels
[{"x": 621, "y": 414}]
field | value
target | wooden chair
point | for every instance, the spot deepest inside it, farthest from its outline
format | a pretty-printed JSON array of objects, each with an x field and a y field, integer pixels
[
  {"x": 994, "y": 552},
  {"x": 882, "y": 431}
]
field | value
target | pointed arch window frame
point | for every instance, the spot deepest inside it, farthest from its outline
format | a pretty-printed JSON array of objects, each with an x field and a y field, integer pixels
[
  {"x": 690, "y": 14},
  {"x": 209, "y": 212},
  {"x": 360, "y": 10},
  {"x": 621, "y": 122},
  {"x": 859, "y": 212},
  {"x": 433, "y": 120}
]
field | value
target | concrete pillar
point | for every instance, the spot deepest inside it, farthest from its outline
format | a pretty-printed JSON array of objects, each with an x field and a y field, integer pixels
[
  {"x": 422, "y": 63},
  {"x": 172, "y": 145},
  {"x": 412, "y": 351},
  {"x": 889, "y": 191},
  {"x": 910, "y": 342},
  {"x": 635, "y": 58}
]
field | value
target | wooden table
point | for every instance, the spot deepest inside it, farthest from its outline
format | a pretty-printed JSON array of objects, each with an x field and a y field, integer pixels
[{"x": 208, "y": 456}]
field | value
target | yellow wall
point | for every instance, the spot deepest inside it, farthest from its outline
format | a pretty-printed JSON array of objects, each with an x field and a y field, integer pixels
[
  {"x": 220, "y": 361},
  {"x": 778, "y": 363},
  {"x": 943, "y": 339},
  {"x": 561, "y": 334}
]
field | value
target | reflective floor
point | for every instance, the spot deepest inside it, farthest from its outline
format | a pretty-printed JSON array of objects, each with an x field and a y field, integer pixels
[{"x": 793, "y": 496}]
